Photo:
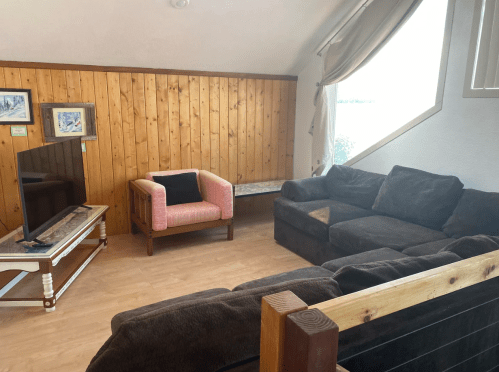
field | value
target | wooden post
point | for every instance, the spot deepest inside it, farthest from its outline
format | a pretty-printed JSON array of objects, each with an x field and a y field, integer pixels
[
  {"x": 311, "y": 342},
  {"x": 275, "y": 309}
]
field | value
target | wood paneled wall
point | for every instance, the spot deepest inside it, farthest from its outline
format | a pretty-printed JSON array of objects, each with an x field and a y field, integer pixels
[{"x": 241, "y": 129}]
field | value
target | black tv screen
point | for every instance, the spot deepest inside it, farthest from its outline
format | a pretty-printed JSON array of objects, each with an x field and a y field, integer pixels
[{"x": 52, "y": 184}]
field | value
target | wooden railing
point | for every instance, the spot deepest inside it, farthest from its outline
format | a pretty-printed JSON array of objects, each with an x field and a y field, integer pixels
[{"x": 295, "y": 337}]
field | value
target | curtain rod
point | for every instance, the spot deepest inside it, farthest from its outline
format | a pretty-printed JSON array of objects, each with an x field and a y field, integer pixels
[{"x": 366, "y": 3}]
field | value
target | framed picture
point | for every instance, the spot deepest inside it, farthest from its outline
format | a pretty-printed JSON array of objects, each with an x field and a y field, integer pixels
[
  {"x": 16, "y": 106},
  {"x": 62, "y": 121}
]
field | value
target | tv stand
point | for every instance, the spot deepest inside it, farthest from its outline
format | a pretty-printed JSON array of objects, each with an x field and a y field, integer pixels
[{"x": 33, "y": 275}]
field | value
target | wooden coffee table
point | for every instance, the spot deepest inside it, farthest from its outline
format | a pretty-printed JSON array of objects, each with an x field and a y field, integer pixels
[{"x": 39, "y": 276}]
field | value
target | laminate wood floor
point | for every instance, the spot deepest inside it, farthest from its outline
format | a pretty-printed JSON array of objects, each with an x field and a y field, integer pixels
[{"x": 123, "y": 277}]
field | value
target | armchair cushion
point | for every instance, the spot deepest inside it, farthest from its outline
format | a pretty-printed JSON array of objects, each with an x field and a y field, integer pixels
[
  {"x": 189, "y": 213},
  {"x": 180, "y": 188}
]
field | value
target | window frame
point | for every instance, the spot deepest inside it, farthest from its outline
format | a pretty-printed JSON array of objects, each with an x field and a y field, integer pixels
[
  {"x": 469, "y": 91},
  {"x": 439, "y": 95}
]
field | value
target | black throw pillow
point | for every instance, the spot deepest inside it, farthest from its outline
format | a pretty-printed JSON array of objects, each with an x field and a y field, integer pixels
[{"x": 180, "y": 188}]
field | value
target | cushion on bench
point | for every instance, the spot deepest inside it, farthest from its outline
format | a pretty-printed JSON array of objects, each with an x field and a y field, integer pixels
[
  {"x": 381, "y": 254},
  {"x": 368, "y": 233},
  {"x": 419, "y": 197},
  {"x": 315, "y": 217},
  {"x": 358, "y": 277},
  {"x": 304, "y": 273},
  {"x": 476, "y": 213},
  {"x": 427, "y": 248},
  {"x": 203, "y": 335}
]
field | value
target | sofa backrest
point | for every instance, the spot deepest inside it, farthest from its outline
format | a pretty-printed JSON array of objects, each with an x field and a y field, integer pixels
[
  {"x": 353, "y": 186},
  {"x": 203, "y": 335},
  {"x": 477, "y": 212}
]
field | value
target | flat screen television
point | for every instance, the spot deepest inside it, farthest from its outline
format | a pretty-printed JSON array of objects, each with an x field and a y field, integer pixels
[{"x": 51, "y": 183}]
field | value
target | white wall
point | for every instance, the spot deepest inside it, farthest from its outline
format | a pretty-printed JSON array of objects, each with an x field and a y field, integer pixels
[{"x": 462, "y": 139}]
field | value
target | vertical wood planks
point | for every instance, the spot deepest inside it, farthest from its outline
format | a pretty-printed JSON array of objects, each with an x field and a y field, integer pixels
[
  {"x": 282, "y": 136},
  {"x": 127, "y": 117},
  {"x": 105, "y": 149},
  {"x": 233, "y": 88},
  {"x": 240, "y": 129},
  {"x": 267, "y": 130},
  {"x": 118, "y": 151},
  {"x": 174, "y": 116},
  {"x": 224, "y": 128},
  {"x": 151, "y": 122},
  {"x": 163, "y": 121},
  {"x": 204, "y": 97},
  {"x": 195, "y": 122},
  {"x": 184, "y": 121},
  {"x": 259, "y": 100},
  {"x": 274, "y": 149},
  {"x": 290, "y": 141},
  {"x": 215, "y": 125},
  {"x": 250, "y": 130},
  {"x": 139, "y": 117}
]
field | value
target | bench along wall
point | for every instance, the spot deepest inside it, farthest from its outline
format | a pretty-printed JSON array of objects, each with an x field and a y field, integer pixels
[{"x": 238, "y": 126}]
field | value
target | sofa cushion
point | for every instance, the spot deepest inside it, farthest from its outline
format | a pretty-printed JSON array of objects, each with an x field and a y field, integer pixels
[
  {"x": 189, "y": 213},
  {"x": 419, "y": 197},
  {"x": 368, "y": 233},
  {"x": 203, "y": 335},
  {"x": 358, "y": 277},
  {"x": 307, "y": 189},
  {"x": 315, "y": 217},
  {"x": 180, "y": 188},
  {"x": 471, "y": 246},
  {"x": 353, "y": 186},
  {"x": 427, "y": 248},
  {"x": 477, "y": 212},
  {"x": 304, "y": 273},
  {"x": 119, "y": 318},
  {"x": 382, "y": 254}
]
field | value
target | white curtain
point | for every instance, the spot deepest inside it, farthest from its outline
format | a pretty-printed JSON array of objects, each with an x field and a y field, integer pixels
[{"x": 353, "y": 46}]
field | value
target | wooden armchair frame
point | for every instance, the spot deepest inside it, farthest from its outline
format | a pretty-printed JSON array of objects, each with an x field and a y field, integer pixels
[
  {"x": 141, "y": 218},
  {"x": 295, "y": 337}
]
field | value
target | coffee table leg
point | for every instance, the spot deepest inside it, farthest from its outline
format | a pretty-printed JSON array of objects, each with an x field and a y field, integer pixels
[
  {"x": 102, "y": 228},
  {"x": 48, "y": 290}
]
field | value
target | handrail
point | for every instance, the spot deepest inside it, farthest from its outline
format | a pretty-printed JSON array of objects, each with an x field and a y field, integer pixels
[
  {"x": 375, "y": 302},
  {"x": 279, "y": 342}
]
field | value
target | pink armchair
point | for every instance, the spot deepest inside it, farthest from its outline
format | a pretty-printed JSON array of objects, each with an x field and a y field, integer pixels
[{"x": 150, "y": 214}]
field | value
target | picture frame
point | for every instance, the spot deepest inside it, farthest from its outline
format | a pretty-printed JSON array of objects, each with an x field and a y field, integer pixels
[
  {"x": 62, "y": 121},
  {"x": 16, "y": 107}
]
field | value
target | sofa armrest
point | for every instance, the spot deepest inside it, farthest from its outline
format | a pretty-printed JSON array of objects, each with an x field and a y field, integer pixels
[
  {"x": 217, "y": 191},
  {"x": 307, "y": 189},
  {"x": 158, "y": 201}
]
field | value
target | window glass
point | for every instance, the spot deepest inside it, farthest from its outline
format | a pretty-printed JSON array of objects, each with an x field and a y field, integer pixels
[{"x": 396, "y": 86}]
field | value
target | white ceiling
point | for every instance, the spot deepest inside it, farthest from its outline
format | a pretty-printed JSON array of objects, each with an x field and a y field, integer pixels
[{"x": 249, "y": 36}]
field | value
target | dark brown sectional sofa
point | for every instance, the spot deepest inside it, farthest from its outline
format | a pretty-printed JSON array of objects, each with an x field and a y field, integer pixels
[{"x": 351, "y": 211}]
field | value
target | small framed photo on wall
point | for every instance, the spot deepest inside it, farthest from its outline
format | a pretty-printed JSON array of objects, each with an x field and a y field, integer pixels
[
  {"x": 63, "y": 121},
  {"x": 16, "y": 106}
]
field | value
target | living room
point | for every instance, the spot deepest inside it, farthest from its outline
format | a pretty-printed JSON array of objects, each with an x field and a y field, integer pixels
[{"x": 236, "y": 99}]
